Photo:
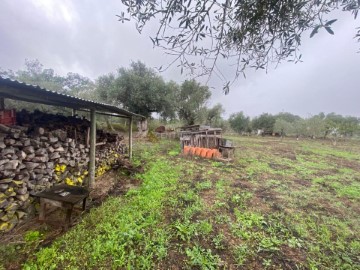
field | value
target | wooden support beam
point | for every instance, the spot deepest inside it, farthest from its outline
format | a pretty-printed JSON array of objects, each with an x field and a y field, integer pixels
[
  {"x": 91, "y": 181},
  {"x": 88, "y": 137},
  {"x": 107, "y": 114},
  {"x": 130, "y": 137}
]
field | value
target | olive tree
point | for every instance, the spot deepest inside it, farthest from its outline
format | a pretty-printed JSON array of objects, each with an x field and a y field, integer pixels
[
  {"x": 138, "y": 88},
  {"x": 191, "y": 101},
  {"x": 239, "y": 122}
]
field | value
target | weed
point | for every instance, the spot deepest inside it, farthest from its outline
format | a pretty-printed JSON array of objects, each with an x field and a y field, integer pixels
[
  {"x": 241, "y": 198},
  {"x": 269, "y": 244},
  {"x": 185, "y": 230},
  {"x": 192, "y": 209},
  {"x": 204, "y": 185},
  {"x": 222, "y": 219},
  {"x": 202, "y": 258},
  {"x": 220, "y": 204},
  {"x": 32, "y": 236},
  {"x": 173, "y": 153},
  {"x": 241, "y": 254},
  {"x": 294, "y": 242},
  {"x": 248, "y": 219},
  {"x": 218, "y": 241},
  {"x": 204, "y": 227},
  {"x": 217, "y": 164},
  {"x": 189, "y": 196},
  {"x": 267, "y": 263}
]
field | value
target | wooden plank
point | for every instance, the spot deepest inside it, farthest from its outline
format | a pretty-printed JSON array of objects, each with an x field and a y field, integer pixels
[
  {"x": 107, "y": 114},
  {"x": 100, "y": 143},
  {"x": 52, "y": 202}
]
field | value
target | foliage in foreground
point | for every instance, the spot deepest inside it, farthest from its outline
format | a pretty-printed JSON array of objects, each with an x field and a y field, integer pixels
[
  {"x": 124, "y": 231},
  {"x": 247, "y": 33}
]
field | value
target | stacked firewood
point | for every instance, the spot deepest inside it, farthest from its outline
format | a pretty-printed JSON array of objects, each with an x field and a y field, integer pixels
[{"x": 45, "y": 150}]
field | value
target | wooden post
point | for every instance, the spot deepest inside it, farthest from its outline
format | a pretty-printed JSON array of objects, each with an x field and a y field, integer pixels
[
  {"x": 207, "y": 140},
  {"x": 2, "y": 103},
  {"x": 88, "y": 137},
  {"x": 130, "y": 137},
  {"x": 215, "y": 141},
  {"x": 91, "y": 181},
  {"x": 73, "y": 113},
  {"x": 42, "y": 210}
]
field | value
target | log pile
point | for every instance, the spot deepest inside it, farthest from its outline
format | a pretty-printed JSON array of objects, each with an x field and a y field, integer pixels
[{"x": 45, "y": 150}]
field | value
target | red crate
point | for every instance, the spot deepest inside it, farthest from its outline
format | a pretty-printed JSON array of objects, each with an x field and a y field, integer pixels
[{"x": 8, "y": 117}]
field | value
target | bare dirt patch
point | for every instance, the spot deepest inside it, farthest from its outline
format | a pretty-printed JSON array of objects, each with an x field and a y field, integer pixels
[
  {"x": 208, "y": 197},
  {"x": 290, "y": 258},
  {"x": 303, "y": 182},
  {"x": 279, "y": 167},
  {"x": 284, "y": 153},
  {"x": 325, "y": 172},
  {"x": 266, "y": 194},
  {"x": 243, "y": 184},
  {"x": 345, "y": 163},
  {"x": 103, "y": 185}
]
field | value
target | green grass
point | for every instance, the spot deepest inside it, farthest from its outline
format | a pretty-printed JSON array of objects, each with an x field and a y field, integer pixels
[
  {"x": 279, "y": 205},
  {"x": 125, "y": 231}
]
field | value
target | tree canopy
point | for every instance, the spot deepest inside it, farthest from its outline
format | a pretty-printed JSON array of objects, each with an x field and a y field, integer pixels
[
  {"x": 35, "y": 73},
  {"x": 264, "y": 122},
  {"x": 239, "y": 122},
  {"x": 191, "y": 101},
  {"x": 247, "y": 33},
  {"x": 214, "y": 115},
  {"x": 138, "y": 89}
]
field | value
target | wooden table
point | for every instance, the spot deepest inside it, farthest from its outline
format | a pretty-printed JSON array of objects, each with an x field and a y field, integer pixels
[{"x": 53, "y": 197}]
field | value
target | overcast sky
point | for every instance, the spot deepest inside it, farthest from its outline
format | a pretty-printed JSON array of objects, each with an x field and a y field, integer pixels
[{"x": 85, "y": 37}]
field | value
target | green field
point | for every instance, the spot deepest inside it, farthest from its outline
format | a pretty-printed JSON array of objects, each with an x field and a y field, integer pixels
[{"x": 281, "y": 204}]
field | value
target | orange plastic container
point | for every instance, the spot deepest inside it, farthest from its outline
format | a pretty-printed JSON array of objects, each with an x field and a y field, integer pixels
[
  {"x": 203, "y": 152},
  {"x": 210, "y": 153},
  {"x": 216, "y": 154},
  {"x": 197, "y": 151}
]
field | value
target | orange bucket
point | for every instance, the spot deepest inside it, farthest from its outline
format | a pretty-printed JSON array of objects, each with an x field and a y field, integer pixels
[
  {"x": 203, "y": 152},
  {"x": 210, "y": 153},
  {"x": 197, "y": 151},
  {"x": 216, "y": 154}
]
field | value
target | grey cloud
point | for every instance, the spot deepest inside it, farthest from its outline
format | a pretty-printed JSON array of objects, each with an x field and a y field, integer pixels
[{"x": 85, "y": 37}]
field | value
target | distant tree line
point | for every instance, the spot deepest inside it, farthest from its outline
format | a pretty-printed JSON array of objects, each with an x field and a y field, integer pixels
[
  {"x": 287, "y": 124},
  {"x": 142, "y": 90}
]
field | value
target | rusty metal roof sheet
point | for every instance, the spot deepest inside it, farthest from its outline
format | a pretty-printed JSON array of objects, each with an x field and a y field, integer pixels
[{"x": 17, "y": 90}]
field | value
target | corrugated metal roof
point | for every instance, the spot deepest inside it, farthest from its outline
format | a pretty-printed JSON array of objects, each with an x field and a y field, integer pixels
[{"x": 14, "y": 89}]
